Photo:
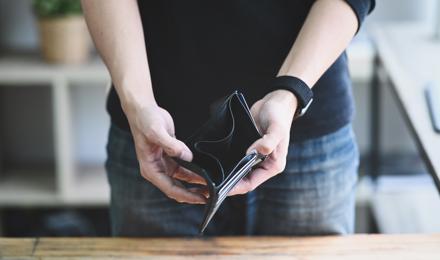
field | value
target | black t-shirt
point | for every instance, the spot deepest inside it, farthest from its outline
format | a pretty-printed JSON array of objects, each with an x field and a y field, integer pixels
[{"x": 200, "y": 51}]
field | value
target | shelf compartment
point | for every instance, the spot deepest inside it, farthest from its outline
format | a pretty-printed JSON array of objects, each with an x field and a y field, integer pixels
[
  {"x": 27, "y": 157},
  {"x": 90, "y": 124}
]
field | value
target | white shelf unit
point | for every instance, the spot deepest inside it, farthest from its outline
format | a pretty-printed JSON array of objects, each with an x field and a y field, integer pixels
[{"x": 69, "y": 179}]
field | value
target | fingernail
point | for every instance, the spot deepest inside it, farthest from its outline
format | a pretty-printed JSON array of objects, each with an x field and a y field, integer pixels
[
  {"x": 251, "y": 151},
  {"x": 186, "y": 155}
]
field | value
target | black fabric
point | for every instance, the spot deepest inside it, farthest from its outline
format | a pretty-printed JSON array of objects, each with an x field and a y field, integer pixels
[
  {"x": 361, "y": 8},
  {"x": 295, "y": 85},
  {"x": 200, "y": 51}
]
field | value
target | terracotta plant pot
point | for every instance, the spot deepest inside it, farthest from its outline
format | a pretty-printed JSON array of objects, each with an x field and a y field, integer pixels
[{"x": 64, "y": 40}]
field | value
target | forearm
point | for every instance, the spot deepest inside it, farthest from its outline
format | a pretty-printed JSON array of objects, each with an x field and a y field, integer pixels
[
  {"x": 327, "y": 31},
  {"x": 116, "y": 29}
]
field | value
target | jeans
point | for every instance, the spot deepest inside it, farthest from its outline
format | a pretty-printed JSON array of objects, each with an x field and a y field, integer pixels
[{"x": 314, "y": 195}]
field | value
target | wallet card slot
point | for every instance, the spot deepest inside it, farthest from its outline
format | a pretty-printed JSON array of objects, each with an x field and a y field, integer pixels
[
  {"x": 218, "y": 148},
  {"x": 210, "y": 164},
  {"x": 242, "y": 133},
  {"x": 248, "y": 112},
  {"x": 218, "y": 151},
  {"x": 239, "y": 172},
  {"x": 214, "y": 128}
]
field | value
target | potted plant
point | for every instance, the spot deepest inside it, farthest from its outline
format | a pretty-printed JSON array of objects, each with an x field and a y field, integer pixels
[{"x": 64, "y": 37}]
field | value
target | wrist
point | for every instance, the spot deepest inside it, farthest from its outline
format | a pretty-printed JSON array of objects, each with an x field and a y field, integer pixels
[
  {"x": 302, "y": 92},
  {"x": 134, "y": 101},
  {"x": 134, "y": 93},
  {"x": 285, "y": 97}
]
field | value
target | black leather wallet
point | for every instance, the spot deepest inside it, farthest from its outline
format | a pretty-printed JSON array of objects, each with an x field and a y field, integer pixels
[{"x": 219, "y": 151}]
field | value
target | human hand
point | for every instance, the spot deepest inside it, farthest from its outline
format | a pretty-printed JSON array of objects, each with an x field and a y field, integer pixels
[
  {"x": 152, "y": 128},
  {"x": 273, "y": 114}
]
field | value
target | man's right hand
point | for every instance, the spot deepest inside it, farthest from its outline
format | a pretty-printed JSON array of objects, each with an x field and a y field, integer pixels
[
  {"x": 153, "y": 132},
  {"x": 116, "y": 29}
]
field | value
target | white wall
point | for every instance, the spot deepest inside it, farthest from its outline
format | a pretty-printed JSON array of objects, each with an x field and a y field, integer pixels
[
  {"x": 91, "y": 123},
  {"x": 403, "y": 10},
  {"x": 17, "y": 25},
  {"x": 396, "y": 136}
]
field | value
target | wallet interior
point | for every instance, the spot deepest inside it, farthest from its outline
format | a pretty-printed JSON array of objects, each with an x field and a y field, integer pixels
[{"x": 220, "y": 144}]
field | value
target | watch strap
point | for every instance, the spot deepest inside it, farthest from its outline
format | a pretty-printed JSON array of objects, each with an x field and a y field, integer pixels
[
  {"x": 299, "y": 88},
  {"x": 295, "y": 85}
]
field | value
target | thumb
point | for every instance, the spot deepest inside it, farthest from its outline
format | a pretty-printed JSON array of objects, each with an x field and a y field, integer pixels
[
  {"x": 172, "y": 146},
  {"x": 267, "y": 144}
]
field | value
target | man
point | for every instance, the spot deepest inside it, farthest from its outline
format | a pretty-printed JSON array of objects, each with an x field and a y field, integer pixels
[{"x": 169, "y": 60}]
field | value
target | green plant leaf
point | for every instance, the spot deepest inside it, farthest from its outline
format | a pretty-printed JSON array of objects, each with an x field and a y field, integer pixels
[{"x": 56, "y": 8}]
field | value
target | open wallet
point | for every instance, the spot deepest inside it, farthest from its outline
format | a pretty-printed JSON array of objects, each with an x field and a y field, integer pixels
[{"x": 219, "y": 151}]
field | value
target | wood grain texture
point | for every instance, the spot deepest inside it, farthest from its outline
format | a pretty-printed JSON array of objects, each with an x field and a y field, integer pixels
[
  {"x": 330, "y": 247},
  {"x": 17, "y": 248}
]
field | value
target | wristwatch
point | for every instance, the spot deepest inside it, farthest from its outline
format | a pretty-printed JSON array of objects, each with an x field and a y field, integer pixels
[{"x": 299, "y": 88}]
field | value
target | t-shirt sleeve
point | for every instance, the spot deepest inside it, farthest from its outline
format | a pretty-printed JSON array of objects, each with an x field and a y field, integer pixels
[{"x": 361, "y": 8}]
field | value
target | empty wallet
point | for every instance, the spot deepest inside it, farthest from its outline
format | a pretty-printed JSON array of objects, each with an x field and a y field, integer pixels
[{"x": 219, "y": 151}]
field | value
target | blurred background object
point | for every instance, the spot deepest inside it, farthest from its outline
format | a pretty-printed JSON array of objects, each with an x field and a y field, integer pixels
[
  {"x": 53, "y": 124},
  {"x": 437, "y": 25},
  {"x": 63, "y": 32},
  {"x": 53, "y": 127}
]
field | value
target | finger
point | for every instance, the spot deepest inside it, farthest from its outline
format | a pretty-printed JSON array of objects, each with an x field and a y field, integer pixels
[
  {"x": 267, "y": 144},
  {"x": 202, "y": 190},
  {"x": 175, "y": 190},
  {"x": 188, "y": 176},
  {"x": 270, "y": 167},
  {"x": 180, "y": 173},
  {"x": 250, "y": 182},
  {"x": 156, "y": 174},
  {"x": 256, "y": 108},
  {"x": 171, "y": 146}
]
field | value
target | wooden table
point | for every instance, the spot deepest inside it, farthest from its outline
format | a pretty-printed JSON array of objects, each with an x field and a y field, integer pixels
[
  {"x": 408, "y": 58},
  {"x": 330, "y": 247}
]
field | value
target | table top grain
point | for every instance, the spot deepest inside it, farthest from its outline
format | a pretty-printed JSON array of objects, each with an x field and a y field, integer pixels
[{"x": 325, "y": 247}]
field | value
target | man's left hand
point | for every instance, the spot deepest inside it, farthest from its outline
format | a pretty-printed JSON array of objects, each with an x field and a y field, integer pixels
[{"x": 273, "y": 114}]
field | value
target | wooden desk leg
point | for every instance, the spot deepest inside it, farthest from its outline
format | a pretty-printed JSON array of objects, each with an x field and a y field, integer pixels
[{"x": 375, "y": 103}]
